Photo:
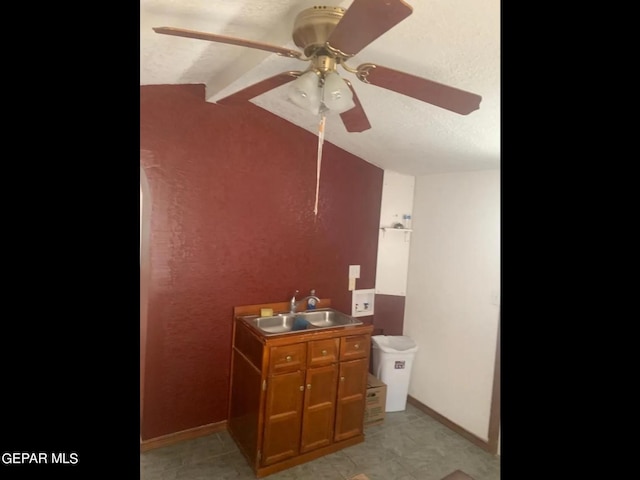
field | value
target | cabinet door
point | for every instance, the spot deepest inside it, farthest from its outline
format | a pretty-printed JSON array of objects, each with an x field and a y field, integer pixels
[
  {"x": 352, "y": 388},
  {"x": 319, "y": 407},
  {"x": 283, "y": 415}
]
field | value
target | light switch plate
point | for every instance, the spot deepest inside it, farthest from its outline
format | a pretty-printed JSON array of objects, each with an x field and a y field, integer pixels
[{"x": 354, "y": 271}]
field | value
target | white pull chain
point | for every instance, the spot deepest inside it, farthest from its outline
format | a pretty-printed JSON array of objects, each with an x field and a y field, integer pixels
[{"x": 320, "y": 143}]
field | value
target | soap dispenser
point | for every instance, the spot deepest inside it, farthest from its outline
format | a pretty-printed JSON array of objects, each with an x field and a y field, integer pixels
[{"x": 311, "y": 302}]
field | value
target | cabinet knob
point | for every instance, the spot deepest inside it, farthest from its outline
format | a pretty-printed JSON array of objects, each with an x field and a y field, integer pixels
[
  {"x": 342, "y": 379},
  {"x": 357, "y": 345},
  {"x": 308, "y": 386},
  {"x": 288, "y": 358},
  {"x": 301, "y": 388},
  {"x": 324, "y": 352}
]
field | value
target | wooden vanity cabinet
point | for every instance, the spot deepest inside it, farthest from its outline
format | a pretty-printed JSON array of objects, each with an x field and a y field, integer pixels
[{"x": 298, "y": 396}]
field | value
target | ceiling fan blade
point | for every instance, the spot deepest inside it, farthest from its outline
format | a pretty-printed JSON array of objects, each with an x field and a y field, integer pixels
[
  {"x": 259, "y": 88},
  {"x": 366, "y": 20},
  {"x": 212, "y": 37},
  {"x": 355, "y": 120},
  {"x": 443, "y": 96}
]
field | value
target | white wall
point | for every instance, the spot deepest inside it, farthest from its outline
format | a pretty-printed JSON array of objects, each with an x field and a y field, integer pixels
[
  {"x": 452, "y": 297},
  {"x": 393, "y": 246}
]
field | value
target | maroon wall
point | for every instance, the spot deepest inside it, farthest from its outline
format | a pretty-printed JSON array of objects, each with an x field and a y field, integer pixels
[
  {"x": 232, "y": 192},
  {"x": 389, "y": 316}
]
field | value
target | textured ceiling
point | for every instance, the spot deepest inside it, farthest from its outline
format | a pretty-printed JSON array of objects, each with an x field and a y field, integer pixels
[{"x": 454, "y": 42}]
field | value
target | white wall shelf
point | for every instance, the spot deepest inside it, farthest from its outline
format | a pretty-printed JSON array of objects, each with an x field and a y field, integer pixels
[
  {"x": 392, "y": 229},
  {"x": 393, "y": 248}
]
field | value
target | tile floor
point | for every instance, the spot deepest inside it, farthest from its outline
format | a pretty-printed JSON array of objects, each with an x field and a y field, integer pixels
[{"x": 409, "y": 445}]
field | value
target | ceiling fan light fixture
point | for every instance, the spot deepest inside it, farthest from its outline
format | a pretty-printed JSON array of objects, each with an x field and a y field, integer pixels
[
  {"x": 337, "y": 96},
  {"x": 305, "y": 92}
]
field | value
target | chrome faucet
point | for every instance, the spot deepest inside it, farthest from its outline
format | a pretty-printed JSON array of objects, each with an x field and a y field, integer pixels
[{"x": 294, "y": 303}]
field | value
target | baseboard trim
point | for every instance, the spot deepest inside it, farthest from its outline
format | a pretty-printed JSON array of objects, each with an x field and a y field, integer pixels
[
  {"x": 181, "y": 436},
  {"x": 484, "y": 444}
]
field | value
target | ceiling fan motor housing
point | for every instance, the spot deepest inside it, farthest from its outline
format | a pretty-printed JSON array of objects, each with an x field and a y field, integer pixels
[{"x": 312, "y": 27}]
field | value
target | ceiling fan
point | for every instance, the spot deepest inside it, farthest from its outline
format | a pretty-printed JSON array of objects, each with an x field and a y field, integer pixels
[{"x": 329, "y": 37}]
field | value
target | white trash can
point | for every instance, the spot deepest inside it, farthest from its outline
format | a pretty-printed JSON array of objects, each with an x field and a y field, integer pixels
[{"x": 392, "y": 362}]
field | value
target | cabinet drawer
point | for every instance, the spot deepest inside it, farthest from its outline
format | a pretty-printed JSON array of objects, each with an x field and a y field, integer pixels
[
  {"x": 356, "y": 346},
  {"x": 322, "y": 352},
  {"x": 288, "y": 358}
]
